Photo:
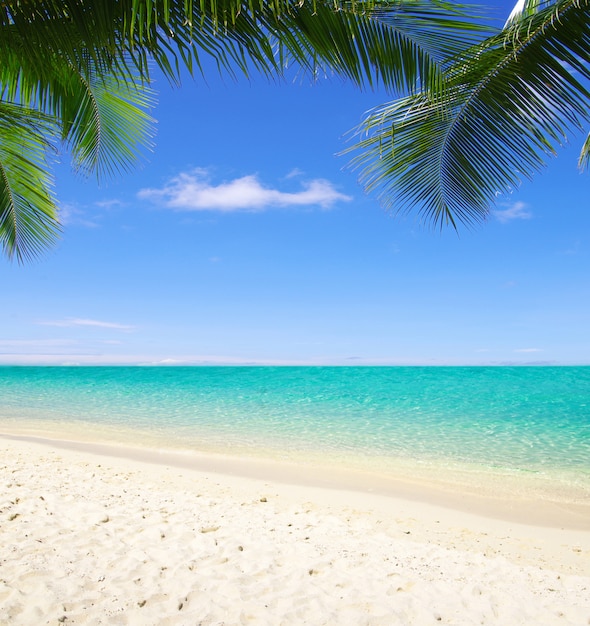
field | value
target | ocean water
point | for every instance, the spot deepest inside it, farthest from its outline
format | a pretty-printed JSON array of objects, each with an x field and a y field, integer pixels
[{"x": 527, "y": 426}]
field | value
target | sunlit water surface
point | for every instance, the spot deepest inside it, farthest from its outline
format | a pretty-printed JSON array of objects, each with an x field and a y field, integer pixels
[{"x": 529, "y": 424}]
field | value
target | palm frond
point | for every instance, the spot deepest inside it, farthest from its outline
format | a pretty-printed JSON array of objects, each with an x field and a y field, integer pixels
[
  {"x": 102, "y": 117},
  {"x": 524, "y": 8},
  {"x": 509, "y": 104},
  {"x": 360, "y": 39},
  {"x": 584, "y": 160},
  {"x": 105, "y": 123},
  {"x": 399, "y": 44},
  {"x": 28, "y": 216},
  {"x": 83, "y": 68}
]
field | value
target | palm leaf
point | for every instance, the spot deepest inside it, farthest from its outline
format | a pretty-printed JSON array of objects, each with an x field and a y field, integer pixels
[
  {"x": 358, "y": 39},
  {"x": 509, "y": 104},
  {"x": 584, "y": 160},
  {"x": 28, "y": 220},
  {"x": 397, "y": 44},
  {"x": 524, "y": 8},
  {"x": 83, "y": 67},
  {"x": 105, "y": 123}
]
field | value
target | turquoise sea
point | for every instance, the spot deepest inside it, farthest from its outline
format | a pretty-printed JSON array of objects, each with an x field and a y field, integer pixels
[{"x": 502, "y": 425}]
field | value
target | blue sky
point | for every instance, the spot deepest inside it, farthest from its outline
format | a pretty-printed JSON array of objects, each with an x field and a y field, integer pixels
[{"x": 243, "y": 238}]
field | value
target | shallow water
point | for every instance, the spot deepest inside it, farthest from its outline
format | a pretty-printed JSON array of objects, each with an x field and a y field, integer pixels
[{"x": 457, "y": 421}]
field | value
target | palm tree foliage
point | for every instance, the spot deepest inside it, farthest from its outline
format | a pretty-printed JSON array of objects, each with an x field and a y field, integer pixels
[
  {"x": 509, "y": 103},
  {"x": 76, "y": 73}
]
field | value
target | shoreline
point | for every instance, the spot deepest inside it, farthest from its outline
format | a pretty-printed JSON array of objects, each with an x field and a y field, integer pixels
[
  {"x": 102, "y": 539},
  {"x": 521, "y": 509}
]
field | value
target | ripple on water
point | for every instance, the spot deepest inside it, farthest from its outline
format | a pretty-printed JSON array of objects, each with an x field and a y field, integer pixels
[{"x": 504, "y": 421}]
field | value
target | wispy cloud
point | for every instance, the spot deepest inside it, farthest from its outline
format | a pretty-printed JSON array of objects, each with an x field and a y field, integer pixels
[
  {"x": 13, "y": 344},
  {"x": 518, "y": 211},
  {"x": 294, "y": 173},
  {"x": 193, "y": 191},
  {"x": 87, "y": 215},
  {"x": 70, "y": 214},
  {"x": 113, "y": 203},
  {"x": 72, "y": 322},
  {"x": 574, "y": 249}
]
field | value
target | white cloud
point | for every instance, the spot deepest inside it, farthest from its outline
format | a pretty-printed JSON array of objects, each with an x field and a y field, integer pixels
[
  {"x": 193, "y": 191},
  {"x": 71, "y": 322},
  {"x": 518, "y": 211}
]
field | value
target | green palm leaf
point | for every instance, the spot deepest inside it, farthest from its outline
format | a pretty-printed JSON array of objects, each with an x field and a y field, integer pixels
[
  {"x": 84, "y": 66},
  {"x": 397, "y": 44},
  {"x": 509, "y": 104},
  {"x": 362, "y": 40},
  {"x": 105, "y": 122},
  {"x": 28, "y": 220},
  {"x": 358, "y": 39}
]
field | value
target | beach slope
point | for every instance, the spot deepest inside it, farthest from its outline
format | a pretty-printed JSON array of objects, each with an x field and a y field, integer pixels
[{"x": 91, "y": 539}]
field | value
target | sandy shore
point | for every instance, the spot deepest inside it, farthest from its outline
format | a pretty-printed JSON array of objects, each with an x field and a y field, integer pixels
[{"x": 96, "y": 539}]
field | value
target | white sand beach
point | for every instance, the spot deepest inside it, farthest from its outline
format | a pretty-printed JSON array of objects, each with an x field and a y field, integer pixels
[{"x": 90, "y": 538}]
